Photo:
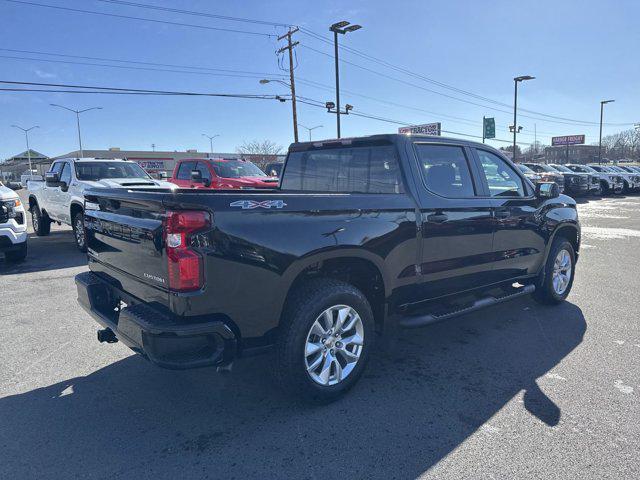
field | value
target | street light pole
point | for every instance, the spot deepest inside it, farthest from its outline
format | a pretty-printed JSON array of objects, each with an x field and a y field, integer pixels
[
  {"x": 77, "y": 112},
  {"x": 26, "y": 136},
  {"x": 517, "y": 80},
  {"x": 342, "y": 27},
  {"x": 600, "y": 140},
  {"x": 210, "y": 137},
  {"x": 309, "y": 129}
]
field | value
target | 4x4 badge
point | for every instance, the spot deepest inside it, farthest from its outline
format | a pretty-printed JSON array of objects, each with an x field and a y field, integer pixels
[{"x": 251, "y": 204}]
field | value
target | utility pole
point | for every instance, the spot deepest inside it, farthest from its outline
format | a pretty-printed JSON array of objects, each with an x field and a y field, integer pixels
[
  {"x": 153, "y": 147},
  {"x": 290, "y": 46},
  {"x": 342, "y": 27},
  {"x": 26, "y": 136},
  {"x": 483, "y": 120},
  {"x": 600, "y": 141}
]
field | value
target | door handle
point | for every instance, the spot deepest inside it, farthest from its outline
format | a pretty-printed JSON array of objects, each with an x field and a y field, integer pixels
[
  {"x": 437, "y": 218},
  {"x": 502, "y": 213}
]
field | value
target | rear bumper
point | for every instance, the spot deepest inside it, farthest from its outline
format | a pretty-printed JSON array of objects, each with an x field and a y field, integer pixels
[{"x": 166, "y": 341}]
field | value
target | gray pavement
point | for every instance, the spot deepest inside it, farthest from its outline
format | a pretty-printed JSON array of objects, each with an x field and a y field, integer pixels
[{"x": 515, "y": 391}]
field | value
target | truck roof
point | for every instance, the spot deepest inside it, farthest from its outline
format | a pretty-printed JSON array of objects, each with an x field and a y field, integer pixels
[
  {"x": 85, "y": 159},
  {"x": 387, "y": 137}
]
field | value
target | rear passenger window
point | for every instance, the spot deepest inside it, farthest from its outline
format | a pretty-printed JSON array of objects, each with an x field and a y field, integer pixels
[
  {"x": 184, "y": 172},
  {"x": 445, "y": 170},
  {"x": 502, "y": 180},
  {"x": 346, "y": 170}
]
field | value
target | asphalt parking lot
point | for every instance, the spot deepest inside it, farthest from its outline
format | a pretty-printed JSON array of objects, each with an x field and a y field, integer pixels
[{"x": 514, "y": 391}]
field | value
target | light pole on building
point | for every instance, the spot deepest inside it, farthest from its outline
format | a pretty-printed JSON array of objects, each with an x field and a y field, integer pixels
[
  {"x": 77, "y": 112},
  {"x": 26, "y": 136},
  {"x": 309, "y": 129},
  {"x": 517, "y": 80},
  {"x": 600, "y": 138},
  {"x": 210, "y": 137}
]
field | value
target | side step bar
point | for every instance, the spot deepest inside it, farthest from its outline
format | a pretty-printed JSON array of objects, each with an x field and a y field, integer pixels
[{"x": 416, "y": 321}]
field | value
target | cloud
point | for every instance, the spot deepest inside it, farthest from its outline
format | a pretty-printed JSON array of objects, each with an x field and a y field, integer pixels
[{"x": 45, "y": 75}]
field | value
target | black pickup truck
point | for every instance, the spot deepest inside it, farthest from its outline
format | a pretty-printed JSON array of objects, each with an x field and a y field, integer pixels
[{"x": 361, "y": 237}]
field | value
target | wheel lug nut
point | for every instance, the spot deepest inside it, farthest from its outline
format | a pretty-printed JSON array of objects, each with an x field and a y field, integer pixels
[{"x": 332, "y": 351}]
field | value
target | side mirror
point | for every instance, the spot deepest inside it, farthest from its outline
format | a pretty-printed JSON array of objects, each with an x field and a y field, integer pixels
[
  {"x": 547, "y": 190},
  {"x": 52, "y": 179}
]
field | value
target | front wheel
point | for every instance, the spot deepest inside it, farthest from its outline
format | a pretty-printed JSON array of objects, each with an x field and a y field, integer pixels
[
  {"x": 324, "y": 340},
  {"x": 555, "y": 284},
  {"x": 79, "y": 232},
  {"x": 40, "y": 222}
]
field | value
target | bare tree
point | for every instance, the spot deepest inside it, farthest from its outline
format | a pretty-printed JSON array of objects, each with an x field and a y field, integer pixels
[
  {"x": 256, "y": 147},
  {"x": 260, "y": 153}
]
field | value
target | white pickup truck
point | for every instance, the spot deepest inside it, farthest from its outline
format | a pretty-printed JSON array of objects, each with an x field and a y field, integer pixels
[
  {"x": 60, "y": 197},
  {"x": 13, "y": 226}
]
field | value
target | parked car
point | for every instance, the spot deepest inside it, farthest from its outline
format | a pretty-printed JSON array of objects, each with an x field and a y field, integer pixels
[
  {"x": 60, "y": 198},
  {"x": 220, "y": 174},
  {"x": 606, "y": 182},
  {"x": 530, "y": 174},
  {"x": 13, "y": 226},
  {"x": 317, "y": 268},
  {"x": 631, "y": 179},
  {"x": 274, "y": 169},
  {"x": 616, "y": 183},
  {"x": 14, "y": 185},
  {"x": 575, "y": 183},
  {"x": 548, "y": 174}
]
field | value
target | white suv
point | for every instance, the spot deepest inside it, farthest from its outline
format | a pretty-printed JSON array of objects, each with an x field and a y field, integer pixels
[
  {"x": 60, "y": 198},
  {"x": 13, "y": 226}
]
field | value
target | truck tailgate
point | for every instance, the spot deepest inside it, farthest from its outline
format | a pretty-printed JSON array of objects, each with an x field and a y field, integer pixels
[{"x": 125, "y": 241}]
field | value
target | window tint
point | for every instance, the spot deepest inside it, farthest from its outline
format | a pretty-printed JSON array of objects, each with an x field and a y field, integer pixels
[
  {"x": 65, "y": 176},
  {"x": 204, "y": 170},
  {"x": 184, "y": 171},
  {"x": 445, "y": 170},
  {"x": 502, "y": 180},
  {"x": 355, "y": 169}
]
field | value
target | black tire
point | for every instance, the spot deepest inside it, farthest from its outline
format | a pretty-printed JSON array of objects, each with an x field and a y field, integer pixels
[
  {"x": 40, "y": 222},
  {"x": 79, "y": 232},
  {"x": 16, "y": 256},
  {"x": 303, "y": 308},
  {"x": 545, "y": 292}
]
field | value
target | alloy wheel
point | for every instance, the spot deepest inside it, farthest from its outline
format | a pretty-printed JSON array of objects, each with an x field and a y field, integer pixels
[
  {"x": 334, "y": 345},
  {"x": 562, "y": 270}
]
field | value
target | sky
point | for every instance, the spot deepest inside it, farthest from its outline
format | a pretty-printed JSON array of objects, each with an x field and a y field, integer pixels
[{"x": 450, "y": 62}]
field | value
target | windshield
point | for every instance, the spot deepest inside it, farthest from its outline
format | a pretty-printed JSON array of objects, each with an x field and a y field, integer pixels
[
  {"x": 100, "y": 170},
  {"x": 237, "y": 169},
  {"x": 583, "y": 168},
  {"x": 562, "y": 168},
  {"x": 541, "y": 167},
  {"x": 524, "y": 168}
]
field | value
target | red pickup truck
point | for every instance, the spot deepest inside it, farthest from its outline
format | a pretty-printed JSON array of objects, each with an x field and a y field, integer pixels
[{"x": 220, "y": 174}]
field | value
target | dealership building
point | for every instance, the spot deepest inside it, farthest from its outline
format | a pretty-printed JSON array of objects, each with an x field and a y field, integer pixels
[{"x": 571, "y": 154}]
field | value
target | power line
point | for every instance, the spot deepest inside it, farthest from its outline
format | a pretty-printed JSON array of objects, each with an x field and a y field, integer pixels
[
  {"x": 442, "y": 84},
  {"x": 194, "y": 13},
  {"x": 118, "y": 60},
  {"x": 126, "y": 67},
  {"x": 129, "y": 17}
]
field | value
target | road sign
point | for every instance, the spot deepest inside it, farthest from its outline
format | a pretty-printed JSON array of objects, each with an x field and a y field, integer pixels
[
  {"x": 489, "y": 127},
  {"x": 567, "y": 140},
  {"x": 426, "y": 129}
]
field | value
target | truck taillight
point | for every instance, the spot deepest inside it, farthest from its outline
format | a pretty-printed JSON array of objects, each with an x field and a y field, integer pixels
[{"x": 185, "y": 264}]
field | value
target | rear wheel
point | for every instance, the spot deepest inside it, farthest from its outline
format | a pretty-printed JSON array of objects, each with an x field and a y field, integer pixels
[
  {"x": 554, "y": 286},
  {"x": 16, "y": 256},
  {"x": 324, "y": 340},
  {"x": 79, "y": 232}
]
